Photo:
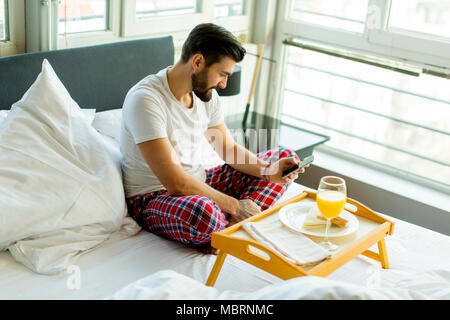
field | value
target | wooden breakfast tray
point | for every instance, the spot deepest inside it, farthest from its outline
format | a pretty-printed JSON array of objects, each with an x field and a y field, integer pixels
[{"x": 234, "y": 240}]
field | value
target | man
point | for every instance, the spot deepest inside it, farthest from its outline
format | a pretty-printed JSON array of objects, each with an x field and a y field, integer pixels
[{"x": 165, "y": 117}]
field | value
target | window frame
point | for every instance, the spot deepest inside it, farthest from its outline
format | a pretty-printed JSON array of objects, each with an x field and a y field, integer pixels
[
  {"x": 107, "y": 19},
  {"x": 432, "y": 51},
  {"x": 112, "y": 33},
  {"x": 244, "y": 10},
  {"x": 6, "y": 22},
  {"x": 15, "y": 42},
  {"x": 379, "y": 42},
  {"x": 132, "y": 27},
  {"x": 374, "y": 41},
  {"x": 121, "y": 27}
]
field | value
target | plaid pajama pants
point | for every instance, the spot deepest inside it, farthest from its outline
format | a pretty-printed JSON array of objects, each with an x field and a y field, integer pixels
[{"x": 192, "y": 219}]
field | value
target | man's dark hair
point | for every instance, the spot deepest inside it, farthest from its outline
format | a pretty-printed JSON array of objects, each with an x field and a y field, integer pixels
[{"x": 214, "y": 43}]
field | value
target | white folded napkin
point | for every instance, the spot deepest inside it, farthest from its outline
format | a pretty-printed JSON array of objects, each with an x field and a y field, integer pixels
[{"x": 292, "y": 245}]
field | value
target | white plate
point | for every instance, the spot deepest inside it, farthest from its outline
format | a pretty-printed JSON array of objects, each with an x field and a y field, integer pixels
[{"x": 293, "y": 216}]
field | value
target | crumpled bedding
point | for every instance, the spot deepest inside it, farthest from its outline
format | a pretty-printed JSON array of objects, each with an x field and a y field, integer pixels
[{"x": 170, "y": 285}]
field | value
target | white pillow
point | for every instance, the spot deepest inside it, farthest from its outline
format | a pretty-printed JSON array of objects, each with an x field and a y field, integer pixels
[
  {"x": 3, "y": 114},
  {"x": 89, "y": 114},
  {"x": 61, "y": 189},
  {"x": 108, "y": 123}
]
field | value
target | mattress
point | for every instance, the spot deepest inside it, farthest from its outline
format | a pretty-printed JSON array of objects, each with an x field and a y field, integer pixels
[{"x": 122, "y": 260}]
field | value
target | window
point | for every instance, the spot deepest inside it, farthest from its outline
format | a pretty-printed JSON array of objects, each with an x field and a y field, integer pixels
[
  {"x": 145, "y": 8},
  {"x": 396, "y": 119},
  {"x": 229, "y": 8},
  {"x": 12, "y": 27},
  {"x": 431, "y": 17},
  {"x": 339, "y": 77},
  {"x": 3, "y": 20},
  {"x": 411, "y": 28},
  {"x": 76, "y": 16},
  {"x": 178, "y": 17},
  {"x": 347, "y": 14}
]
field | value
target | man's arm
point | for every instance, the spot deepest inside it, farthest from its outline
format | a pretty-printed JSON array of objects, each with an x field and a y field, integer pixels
[
  {"x": 233, "y": 153},
  {"x": 162, "y": 159},
  {"x": 245, "y": 161}
]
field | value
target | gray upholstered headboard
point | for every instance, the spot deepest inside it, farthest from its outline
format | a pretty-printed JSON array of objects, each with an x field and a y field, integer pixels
[{"x": 96, "y": 77}]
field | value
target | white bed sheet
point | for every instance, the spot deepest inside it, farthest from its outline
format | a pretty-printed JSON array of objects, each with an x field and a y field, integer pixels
[{"x": 122, "y": 260}]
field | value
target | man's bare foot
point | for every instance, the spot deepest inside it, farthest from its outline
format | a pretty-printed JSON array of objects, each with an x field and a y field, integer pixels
[
  {"x": 207, "y": 249},
  {"x": 210, "y": 250}
]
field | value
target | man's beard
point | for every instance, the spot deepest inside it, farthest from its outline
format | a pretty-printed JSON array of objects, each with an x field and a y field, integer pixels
[{"x": 200, "y": 85}]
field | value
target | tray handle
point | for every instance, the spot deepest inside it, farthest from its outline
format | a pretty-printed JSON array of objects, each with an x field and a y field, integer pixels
[
  {"x": 269, "y": 260},
  {"x": 366, "y": 212}
]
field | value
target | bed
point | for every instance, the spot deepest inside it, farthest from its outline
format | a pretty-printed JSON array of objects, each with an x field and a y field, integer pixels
[
  {"x": 415, "y": 254},
  {"x": 129, "y": 263}
]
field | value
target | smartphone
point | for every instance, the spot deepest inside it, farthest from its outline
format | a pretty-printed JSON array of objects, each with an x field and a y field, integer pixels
[{"x": 298, "y": 167}]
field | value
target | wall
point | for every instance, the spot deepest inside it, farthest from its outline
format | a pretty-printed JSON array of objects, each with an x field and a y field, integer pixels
[{"x": 236, "y": 104}]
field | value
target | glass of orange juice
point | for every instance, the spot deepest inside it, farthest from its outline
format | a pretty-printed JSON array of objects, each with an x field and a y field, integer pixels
[{"x": 331, "y": 197}]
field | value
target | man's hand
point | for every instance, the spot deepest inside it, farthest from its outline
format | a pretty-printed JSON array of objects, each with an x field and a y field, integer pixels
[
  {"x": 274, "y": 172},
  {"x": 246, "y": 209}
]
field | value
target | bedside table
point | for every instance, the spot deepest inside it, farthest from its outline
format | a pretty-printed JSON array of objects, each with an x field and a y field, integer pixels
[{"x": 278, "y": 134}]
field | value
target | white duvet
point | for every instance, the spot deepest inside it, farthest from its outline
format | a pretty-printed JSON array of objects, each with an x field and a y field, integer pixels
[
  {"x": 170, "y": 285},
  {"x": 61, "y": 190}
]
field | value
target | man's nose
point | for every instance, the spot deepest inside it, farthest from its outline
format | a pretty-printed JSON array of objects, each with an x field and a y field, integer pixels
[{"x": 223, "y": 83}]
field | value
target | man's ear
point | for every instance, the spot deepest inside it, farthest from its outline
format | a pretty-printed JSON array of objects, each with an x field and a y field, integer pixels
[{"x": 197, "y": 61}]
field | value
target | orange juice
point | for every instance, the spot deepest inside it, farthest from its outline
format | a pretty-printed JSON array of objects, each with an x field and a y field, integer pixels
[{"x": 330, "y": 203}]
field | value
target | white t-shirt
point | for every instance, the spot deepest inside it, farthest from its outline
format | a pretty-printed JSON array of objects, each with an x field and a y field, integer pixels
[{"x": 151, "y": 111}]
